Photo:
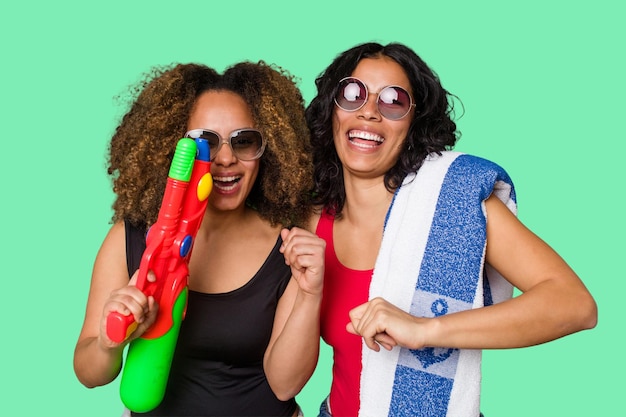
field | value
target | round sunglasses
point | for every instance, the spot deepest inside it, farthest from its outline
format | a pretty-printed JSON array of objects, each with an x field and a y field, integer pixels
[
  {"x": 393, "y": 101},
  {"x": 246, "y": 144}
]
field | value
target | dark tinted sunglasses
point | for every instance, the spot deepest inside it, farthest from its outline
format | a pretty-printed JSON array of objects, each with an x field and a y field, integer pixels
[
  {"x": 246, "y": 144},
  {"x": 393, "y": 102}
]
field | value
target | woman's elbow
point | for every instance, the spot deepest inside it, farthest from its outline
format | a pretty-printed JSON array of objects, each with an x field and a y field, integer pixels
[
  {"x": 285, "y": 396},
  {"x": 286, "y": 389},
  {"x": 285, "y": 393},
  {"x": 589, "y": 313},
  {"x": 581, "y": 312}
]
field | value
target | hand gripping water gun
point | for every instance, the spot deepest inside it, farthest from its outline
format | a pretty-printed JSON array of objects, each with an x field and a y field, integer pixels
[{"x": 169, "y": 242}]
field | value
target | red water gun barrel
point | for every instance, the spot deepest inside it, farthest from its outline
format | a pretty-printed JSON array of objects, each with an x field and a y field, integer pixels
[{"x": 167, "y": 246}]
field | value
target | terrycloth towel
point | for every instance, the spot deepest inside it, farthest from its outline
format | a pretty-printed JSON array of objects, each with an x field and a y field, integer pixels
[{"x": 431, "y": 263}]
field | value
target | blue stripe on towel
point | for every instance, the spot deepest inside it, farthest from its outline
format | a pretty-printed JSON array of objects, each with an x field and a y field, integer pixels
[
  {"x": 449, "y": 276},
  {"x": 457, "y": 235},
  {"x": 404, "y": 403}
]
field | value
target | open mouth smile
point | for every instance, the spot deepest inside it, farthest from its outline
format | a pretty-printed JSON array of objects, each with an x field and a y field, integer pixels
[
  {"x": 226, "y": 183},
  {"x": 364, "y": 139}
]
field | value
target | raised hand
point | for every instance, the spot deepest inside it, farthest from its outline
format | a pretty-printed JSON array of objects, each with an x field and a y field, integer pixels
[{"x": 304, "y": 253}]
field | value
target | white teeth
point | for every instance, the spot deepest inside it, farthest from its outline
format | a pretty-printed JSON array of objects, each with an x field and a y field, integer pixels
[
  {"x": 226, "y": 179},
  {"x": 359, "y": 134},
  {"x": 226, "y": 183},
  {"x": 363, "y": 145},
  {"x": 223, "y": 187}
]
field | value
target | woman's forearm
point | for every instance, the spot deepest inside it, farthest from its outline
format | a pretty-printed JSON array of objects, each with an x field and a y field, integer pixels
[
  {"x": 94, "y": 365},
  {"x": 532, "y": 318},
  {"x": 292, "y": 358}
]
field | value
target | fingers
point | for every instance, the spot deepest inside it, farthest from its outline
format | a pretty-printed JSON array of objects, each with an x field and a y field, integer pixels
[
  {"x": 284, "y": 234},
  {"x": 128, "y": 301},
  {"x": 131, "y": 300},
  {"x": 373, "y": 342},
  {"x": 149, "y": 276},
  {"x": 149, "y": 317},
  {"x": 371, "y": 322},
  {"x": 384, "y": 340},
  {"x": 298, "y": 242},
  {"x": 304, "y": 253},
  {"x": 363, "y": 324}
]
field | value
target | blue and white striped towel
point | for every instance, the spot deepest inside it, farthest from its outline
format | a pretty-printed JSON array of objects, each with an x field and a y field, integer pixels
[{"x": 431, "y": 262}]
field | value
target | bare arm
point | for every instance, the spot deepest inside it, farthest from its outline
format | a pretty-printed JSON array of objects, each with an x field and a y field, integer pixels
[
  {"x": 292, "y": 353},
  {"x": 554, "y": 302},
  {"x": 97, "y": 359}
]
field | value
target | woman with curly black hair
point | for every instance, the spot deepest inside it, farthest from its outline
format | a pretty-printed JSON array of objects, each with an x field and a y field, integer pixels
[
  {"x": 250, "y": 338},
  {"x": 423, "y": 247}
]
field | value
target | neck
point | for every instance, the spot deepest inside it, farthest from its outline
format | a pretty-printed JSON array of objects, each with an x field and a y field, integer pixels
[
  {"x": 219, "y": 220},
  {"x": 367, "y": 201}
]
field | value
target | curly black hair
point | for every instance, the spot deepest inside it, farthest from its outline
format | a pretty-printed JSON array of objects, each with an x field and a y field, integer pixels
[
  {"x": 141, "y": 150},
  {"x": 432, "y": 129}
]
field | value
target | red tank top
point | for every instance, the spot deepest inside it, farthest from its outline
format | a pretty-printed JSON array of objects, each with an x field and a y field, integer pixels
[{"x": 344, "y": 289}]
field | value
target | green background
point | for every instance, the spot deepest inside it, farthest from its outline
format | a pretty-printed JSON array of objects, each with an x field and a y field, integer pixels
[{"x": 543, "y": 90}]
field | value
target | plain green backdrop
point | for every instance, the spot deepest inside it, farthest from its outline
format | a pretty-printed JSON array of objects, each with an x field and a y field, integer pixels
[{"x": 543, "y": 91}]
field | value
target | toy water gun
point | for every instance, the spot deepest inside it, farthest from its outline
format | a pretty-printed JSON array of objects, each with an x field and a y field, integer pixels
[{"x": 169, "y": 243}]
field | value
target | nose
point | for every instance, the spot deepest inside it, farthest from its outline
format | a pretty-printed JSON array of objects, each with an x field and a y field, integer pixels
[
  {"x": 224, "y": 155},
  {"x": 369, "y": 111}
]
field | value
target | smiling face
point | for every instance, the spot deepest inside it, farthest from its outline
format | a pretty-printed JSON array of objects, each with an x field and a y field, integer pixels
[
  {"x": 225, "y": 112},
  {"x": 368, "y": 144}
]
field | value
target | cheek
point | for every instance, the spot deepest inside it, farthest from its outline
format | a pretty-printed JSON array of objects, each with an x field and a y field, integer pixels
[
  {"x": 253, "y": 171},
  {"x": 402, "y": 131},
  {"x": 337, "y": 125}
]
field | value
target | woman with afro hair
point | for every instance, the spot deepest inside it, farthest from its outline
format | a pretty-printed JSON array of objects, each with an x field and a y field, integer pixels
[{"x": 250, "y": 337}]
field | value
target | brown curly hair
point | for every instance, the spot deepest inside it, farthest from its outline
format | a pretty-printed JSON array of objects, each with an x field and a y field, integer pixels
[{"x": 143, "y": 145}]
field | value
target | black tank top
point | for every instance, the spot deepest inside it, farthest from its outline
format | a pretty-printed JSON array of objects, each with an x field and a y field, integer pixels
[{"x": 217, "y": 368}]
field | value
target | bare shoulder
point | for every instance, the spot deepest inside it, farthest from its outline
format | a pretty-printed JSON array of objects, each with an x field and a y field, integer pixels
[
  {"x": 115, "y": 237},
  {"x": 112, "y": 254}
]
